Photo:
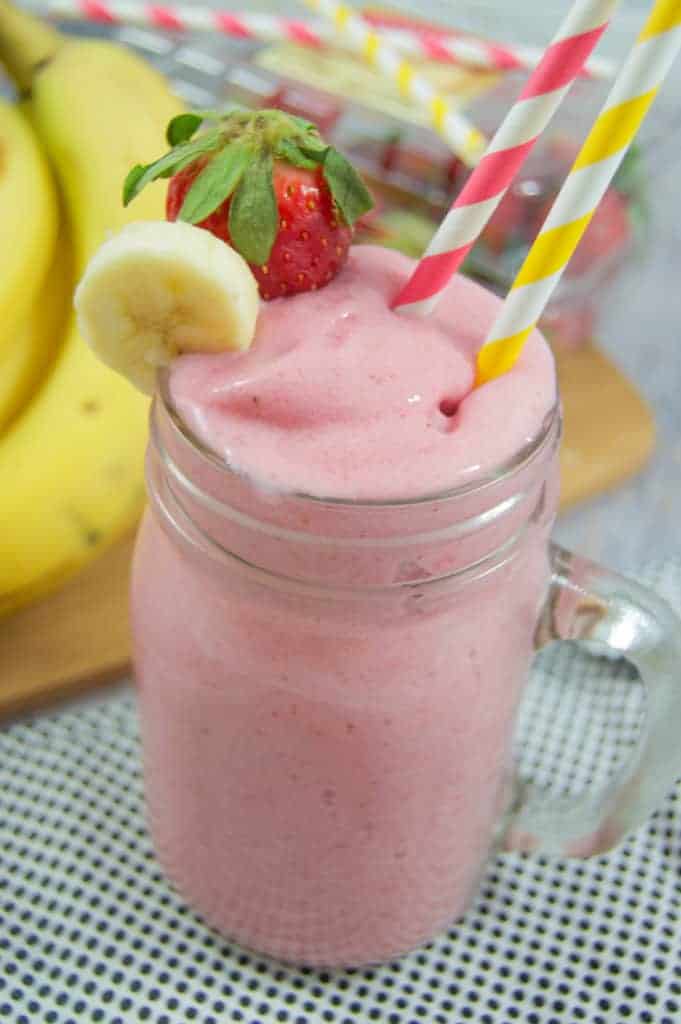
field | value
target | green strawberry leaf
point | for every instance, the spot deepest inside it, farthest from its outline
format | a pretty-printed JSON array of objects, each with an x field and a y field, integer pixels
[
  {"x": 296, "y": 155},
  {"x": 133, "y": 177},
  {"x": 313, "y": 146},
  {"x": 302, "y": 122},
  {"x": 179, "y": 157},
  {"x": 181, "y": 128},
  {"x": 215, "y": 183},
  {"x": 175, "y": 168},
  {"x": 253, "y": 213},
  {"x": 349, "y": 192}
]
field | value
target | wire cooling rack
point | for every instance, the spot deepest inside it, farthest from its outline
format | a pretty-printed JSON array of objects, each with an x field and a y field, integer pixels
[{"x": 90, "y": 931}]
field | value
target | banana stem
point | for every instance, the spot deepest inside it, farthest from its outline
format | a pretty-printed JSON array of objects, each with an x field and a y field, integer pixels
[{"x": 26, "y": 42}]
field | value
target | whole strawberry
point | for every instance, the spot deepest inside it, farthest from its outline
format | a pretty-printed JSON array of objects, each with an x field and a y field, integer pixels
[{"x": 266, "y": 183}]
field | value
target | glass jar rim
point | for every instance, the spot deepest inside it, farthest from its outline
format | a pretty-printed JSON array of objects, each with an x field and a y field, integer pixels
[{"x": 505, "y": 470}]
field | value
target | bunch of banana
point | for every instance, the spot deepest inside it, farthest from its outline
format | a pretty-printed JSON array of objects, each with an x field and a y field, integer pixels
[{"x": 71, "y": 459}]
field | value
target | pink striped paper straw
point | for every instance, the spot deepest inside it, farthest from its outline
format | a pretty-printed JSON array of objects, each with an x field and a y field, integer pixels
[
  {"x": 506, "y": 153},
  {"x": 187, "y": 18},
  {"x": 426, "y": 44},
  {"x": 482, "y": 53},
  {"x": 451, "y": 47}
]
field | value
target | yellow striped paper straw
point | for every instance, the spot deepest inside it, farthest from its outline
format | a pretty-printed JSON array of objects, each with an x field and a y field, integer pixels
[
  {"x": 465, "y": 140},
  {"x": 631, "y": 96}
]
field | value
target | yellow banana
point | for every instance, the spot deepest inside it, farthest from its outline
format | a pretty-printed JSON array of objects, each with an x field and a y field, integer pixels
[
  {"x": 28, "y": 220},
  {"x": 27, "y": 353},
  {"x": 26, "y": 43},
  {"x": 71, "y": 465}
]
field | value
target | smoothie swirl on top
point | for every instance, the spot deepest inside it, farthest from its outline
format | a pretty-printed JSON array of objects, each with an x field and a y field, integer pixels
[{"x": 339, "y": 396}]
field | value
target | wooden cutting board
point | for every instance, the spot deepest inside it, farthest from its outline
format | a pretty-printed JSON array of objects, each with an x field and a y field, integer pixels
[
  {"x": 79, "y": 637},
  {"x": 76, "y": 638},
  {"x": 609, "y": 431}
]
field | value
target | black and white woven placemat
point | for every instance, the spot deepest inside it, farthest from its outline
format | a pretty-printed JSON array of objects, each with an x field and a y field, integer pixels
[{"x": 91, "y": 932}]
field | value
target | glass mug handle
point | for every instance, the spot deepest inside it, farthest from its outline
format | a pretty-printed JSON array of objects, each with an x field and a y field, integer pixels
[{"x": 608, "y": 615}]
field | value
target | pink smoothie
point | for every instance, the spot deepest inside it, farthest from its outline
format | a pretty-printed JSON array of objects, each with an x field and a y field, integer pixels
[
  {"x": 328, "y": 691},
  {"x": 340, "y": 396}
]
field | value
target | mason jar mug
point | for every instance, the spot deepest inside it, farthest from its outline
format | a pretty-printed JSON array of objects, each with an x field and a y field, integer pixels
[{"x": 329, "y": 692}]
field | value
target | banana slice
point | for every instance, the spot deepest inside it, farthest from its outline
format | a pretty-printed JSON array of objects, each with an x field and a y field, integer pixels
[{"x": 158, "y": 289}]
